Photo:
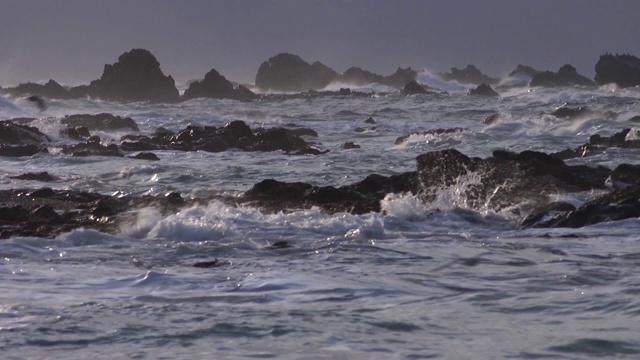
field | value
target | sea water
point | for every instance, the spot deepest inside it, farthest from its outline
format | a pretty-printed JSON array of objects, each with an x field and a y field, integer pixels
[{"x": 419, "y": 280}]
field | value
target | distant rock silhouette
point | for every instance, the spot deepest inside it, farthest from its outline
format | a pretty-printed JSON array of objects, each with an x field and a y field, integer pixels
[
  {"x": 622, "y": 70},
  {"x": 524, "y": 70},
  {"x": 468, "y": 75},
  {"x": 566, "y": 76},
  {"x": 483, "y": 90},
  {"x": 51, "y": 90},
  {"x": 217, "y": 86},
  {"x": 359, "y": 77},
  {"x": 136, "y": 76},
  {"x": 288, "y": 72}
]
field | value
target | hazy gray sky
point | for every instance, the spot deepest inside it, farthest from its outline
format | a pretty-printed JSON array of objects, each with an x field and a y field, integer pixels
[{"x": 71, "y": 40}]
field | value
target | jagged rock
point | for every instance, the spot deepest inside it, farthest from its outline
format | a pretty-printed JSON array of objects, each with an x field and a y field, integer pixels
[
  {"x": 217, "y": 86},
  {"x": 41, "y": 176},
  {"x": 483, "y": 90},
  {"x": 565, "y": 77},
  {"x": 136, "y": 76},
  {"x": 288, "y": 72},
  {"x": 402, "y": 139},
  {"x": 413, "y": 88},
  {"x": 622, "y": 70},
  {"x": 617, "y": 205},
  {"x": 102, "y": 122},
  {"x": 16, "y": 134},
  {"x": 468, "y": 75},
  {"x": 51, "y": 90},
  {"x": 370, "y": 121}
]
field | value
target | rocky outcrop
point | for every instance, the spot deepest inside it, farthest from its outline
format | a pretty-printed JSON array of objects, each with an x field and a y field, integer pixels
[
  {"x": 483, "y": 90},
  {"x": 413, "y": 88},
  {"x": 216, "y": 86},
  {"x": 622, "y": 70},
  {"x": 468, "y": 75},
  {"x": 101, "y": 122},
  {"x": 234, "y": 135},
  {"x": 289, "y": 73},
  {"x": 136, "y": 76},
  {"x": 567, "y": 76},
  {"x": 16, "y": 134},
  {"x": 51, "y": 90},
  {"x": 359, "y": 77},
  {"x": 41, "y": 176}
]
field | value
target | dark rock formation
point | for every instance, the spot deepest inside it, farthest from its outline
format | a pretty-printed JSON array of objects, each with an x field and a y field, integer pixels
[
  {"x": 617, "y": 205},
  {"x": 468, "y": 75},
  {"x": 91, "y": 148},
  {"x": 145, "y": 156},
  {"x": 413, "y": 88},
  {"x": 565, "y": 77},
  {"x": 41, "y": 176},
  {"x": 217, "y": 86},
  {"x": 360, "y": 77},
  {"x": 370, "y": 121},
  {"x": 15, "y": 134},
  {"x": 46, "y": 212},
  {"x": 622, "y": 70},
  {"x": 288, "y": 72},
  {"x": 626, "y": 138},
  {"x": 102, "y": 122},
  {"x": 566, "y": 112},
  {"x": 402, "y": 139},
  {"x": 136, "y": 76},
  {"x": 21, "y": 150},
  {"x": 635, "y": 119},
  {"x": 76, "y": 132},
  {"x": 234, "y": 135},
  {"x": 350, "y": 145},
  {"x": 51, "y": 90},
  {"x": 492, "y": 118},
  {"x": 524, "y": 70},
  {"x": 483, "y": 90}
]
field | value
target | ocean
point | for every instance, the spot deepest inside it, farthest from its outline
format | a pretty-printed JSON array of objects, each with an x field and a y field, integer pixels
[{"x": 444, "y": 279}]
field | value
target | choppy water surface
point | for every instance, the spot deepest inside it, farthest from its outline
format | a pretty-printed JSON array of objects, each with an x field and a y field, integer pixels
[{"x": 421, "y": 281}]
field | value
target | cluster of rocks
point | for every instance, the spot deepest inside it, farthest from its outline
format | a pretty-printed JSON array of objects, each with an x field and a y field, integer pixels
[
  {"x": 137, "y": 76},
  {"x": 22, "y": 140},
  {"x": 290, "y": 73}
]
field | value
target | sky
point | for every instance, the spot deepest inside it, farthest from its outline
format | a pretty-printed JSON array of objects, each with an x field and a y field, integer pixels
[{"x": 71, "y": 40}]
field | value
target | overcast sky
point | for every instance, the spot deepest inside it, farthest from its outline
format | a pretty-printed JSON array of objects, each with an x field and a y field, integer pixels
[{"x": 71, "y": 40}]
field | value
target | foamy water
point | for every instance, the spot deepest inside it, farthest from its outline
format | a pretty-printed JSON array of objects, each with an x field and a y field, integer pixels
[{"x": 435, "y": 280}]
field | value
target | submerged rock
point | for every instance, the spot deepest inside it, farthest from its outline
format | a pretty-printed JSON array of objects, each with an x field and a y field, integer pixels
[
  {"x": 622, "y": 70},
  {"x": 404, "y": 138},
  {"x": 41, "y": 176}
]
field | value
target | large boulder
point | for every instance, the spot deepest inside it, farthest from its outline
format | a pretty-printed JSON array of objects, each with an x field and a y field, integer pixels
[
  {"x": 468, "y": 75},
  {"x": 16, "y": 134},
  {"x": 565, "y": 77},
  {"x": 217, "y": 86},
  {"x": 51, "y": 90},
  {"x": 288, "y": 72},
  {"x": 622, "y": 70},
  {"x": 136, "y": 76}
]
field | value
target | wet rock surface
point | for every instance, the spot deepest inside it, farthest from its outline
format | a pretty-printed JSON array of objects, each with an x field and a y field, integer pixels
[
  {"x": 288, "y": 72},
  {"x": 217, "y": 86},
  {"x": 103, "y": 122},
  {"x": 622, "y": 70}
]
